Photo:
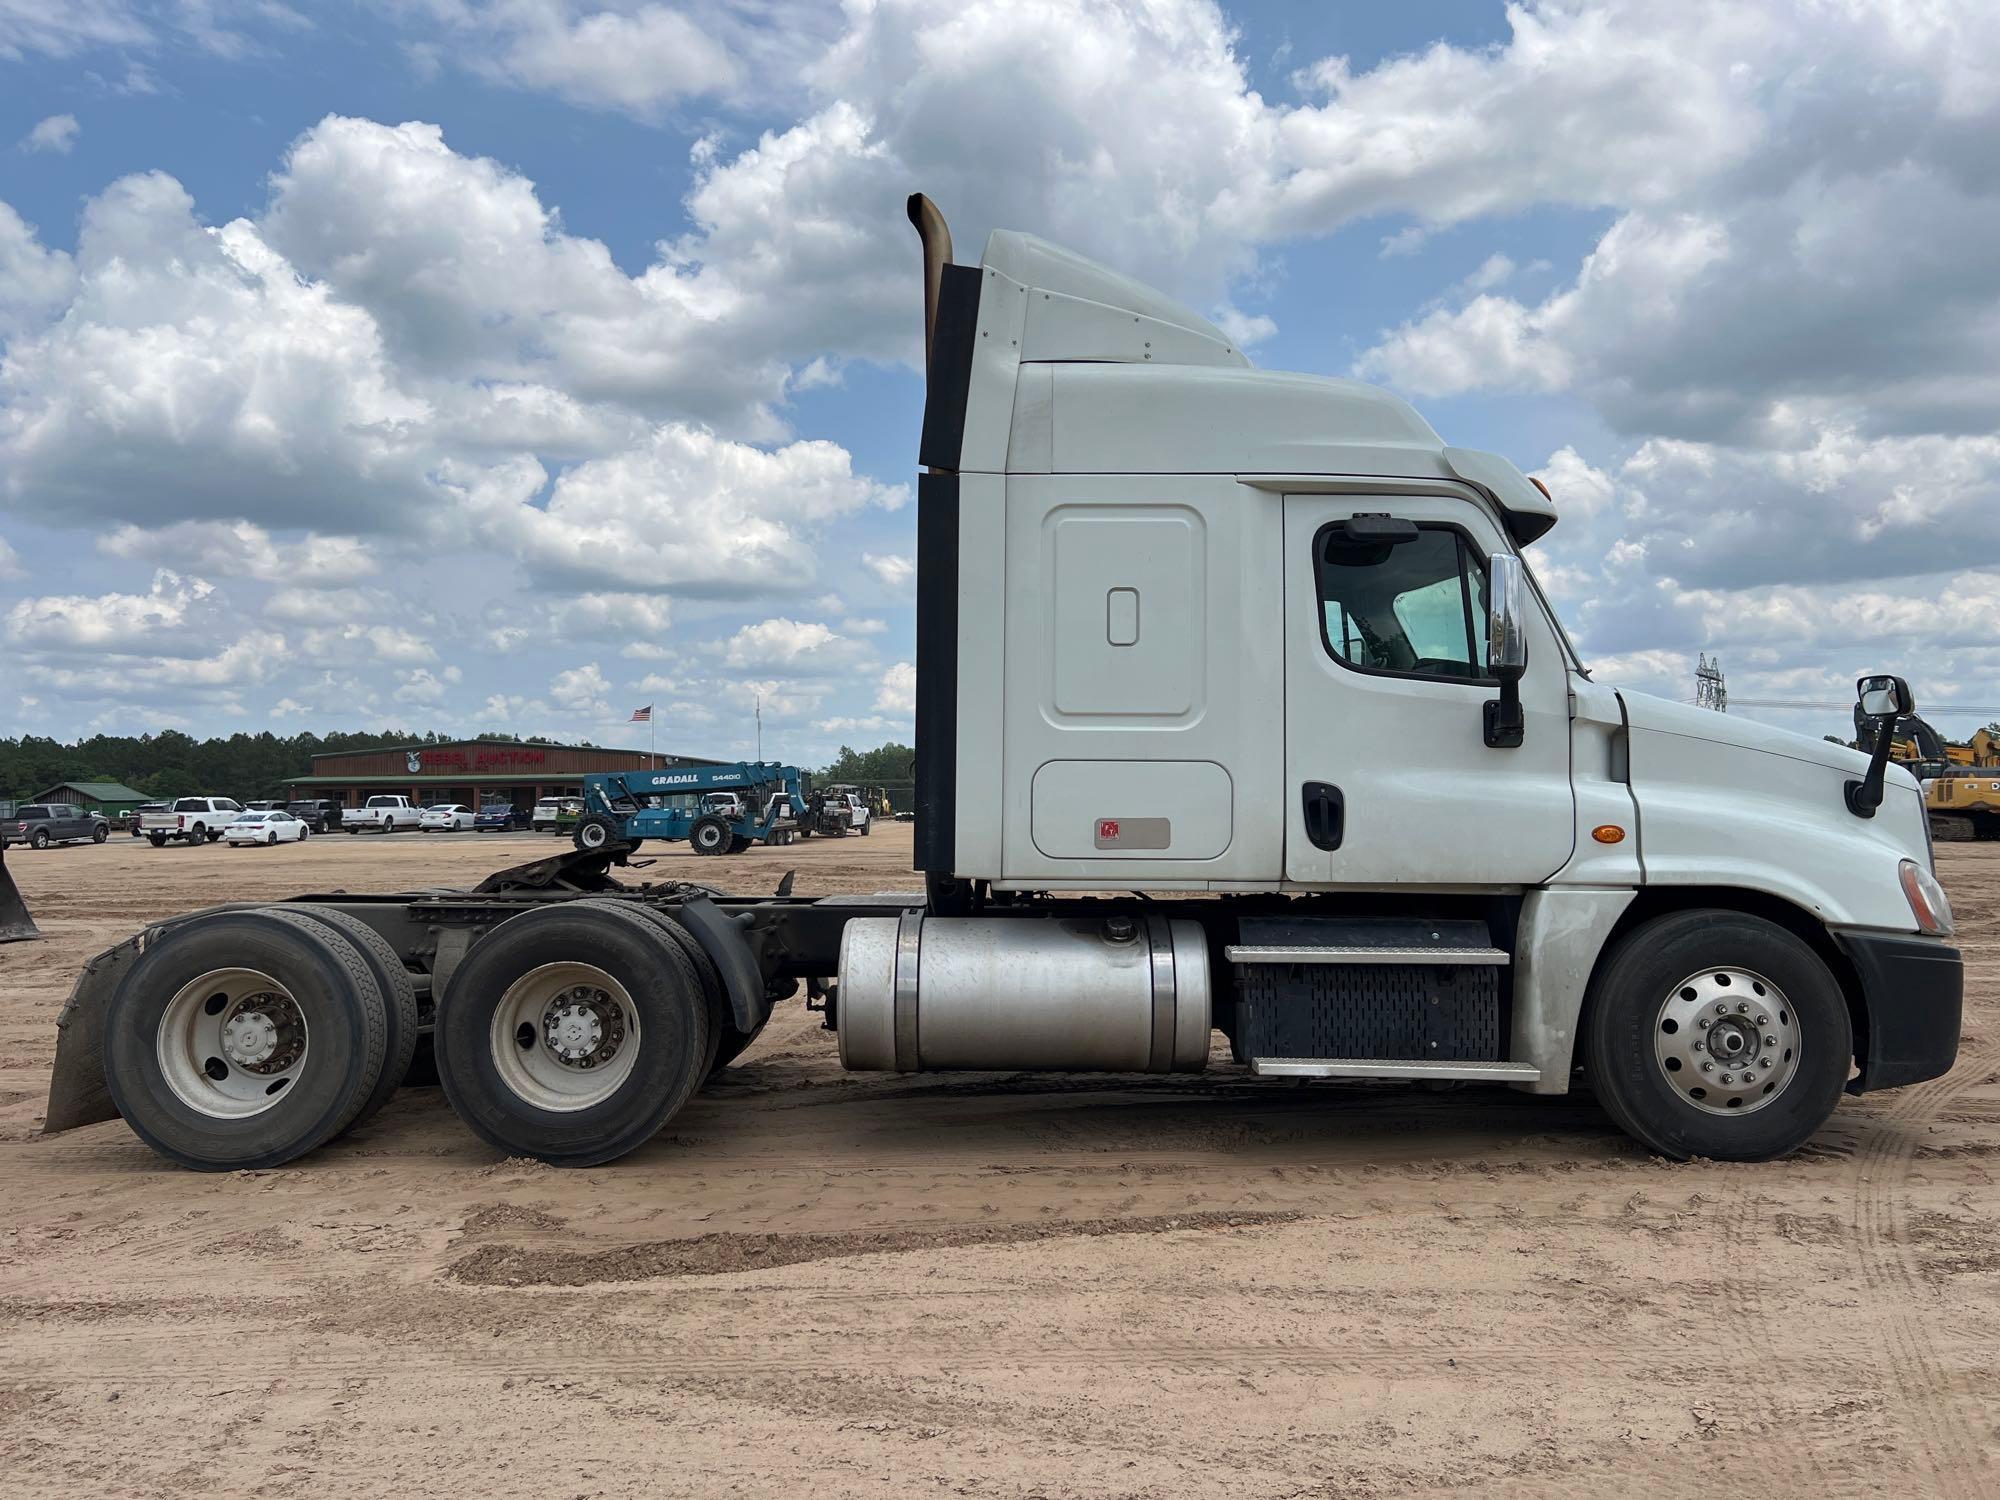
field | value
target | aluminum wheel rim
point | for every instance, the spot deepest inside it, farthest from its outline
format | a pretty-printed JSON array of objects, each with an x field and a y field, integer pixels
[
  {"x": 1727, "y": 1041},
  {"x": 232, "y": 1043},
  {"x": 565, "y": 1036}
]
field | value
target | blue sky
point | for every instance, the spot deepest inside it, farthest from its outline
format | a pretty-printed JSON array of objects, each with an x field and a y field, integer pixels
[{"x": 506, "y": 364}]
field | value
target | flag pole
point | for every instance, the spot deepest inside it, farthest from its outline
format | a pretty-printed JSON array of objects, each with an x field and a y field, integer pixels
[{"x": 760, "y": 726}]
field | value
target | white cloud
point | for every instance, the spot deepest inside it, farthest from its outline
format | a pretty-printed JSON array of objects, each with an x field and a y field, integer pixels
[
  {"x": 35, "y": 283},
  {"x": 67, "y": 27},
  {"x": 580, "y": 688},
  {"x": 895, "y": 570},
  {"x": 637, "y": 58},
  {"x": 56, "y": 134},
  {"x": 687, "y": 510},
  {"x": 240, "y": 549},
  {"x": 10, "y": 561},
  {"x": 195, "y": 375},
  {"x": 898, "y": 690},
  {"x": 173, "y": 609},
  {"x": 778, "y": 644}
]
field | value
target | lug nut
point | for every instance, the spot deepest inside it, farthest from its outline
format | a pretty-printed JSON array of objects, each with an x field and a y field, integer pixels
[
  {"x": 1725, "y": 1078},
  {"x": 1743, "y": 1007},
  {"x": 1696, "y": 1047},
  {"x": 1721, "y": 1008},
  {"x": 1704, "y": 1023},
  {"x": 1765, "y": 1063},
  {"x": 1708, "y": 1067},
  {"x": 1763, "y": 1020}
]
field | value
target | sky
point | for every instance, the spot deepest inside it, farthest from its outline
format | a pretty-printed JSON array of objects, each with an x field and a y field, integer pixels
[{"x": 507, "y": 365}]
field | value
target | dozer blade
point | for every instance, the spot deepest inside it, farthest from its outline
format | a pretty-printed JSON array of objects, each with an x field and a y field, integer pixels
[{"x": 16, "y": 925}]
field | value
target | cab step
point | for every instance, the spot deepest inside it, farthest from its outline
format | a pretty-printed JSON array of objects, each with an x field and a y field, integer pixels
[
  {"x": 1372, "y": 997},
  {"x": 1360, "y": 953},
  {"x": 1394, "y": 1067}
]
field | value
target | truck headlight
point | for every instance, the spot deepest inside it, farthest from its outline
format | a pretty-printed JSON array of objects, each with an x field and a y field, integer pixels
[{"x": 1927, "y": 899}]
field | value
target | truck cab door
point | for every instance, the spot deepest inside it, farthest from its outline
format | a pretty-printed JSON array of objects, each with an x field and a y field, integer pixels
[{"x": 1389, "y": 776}]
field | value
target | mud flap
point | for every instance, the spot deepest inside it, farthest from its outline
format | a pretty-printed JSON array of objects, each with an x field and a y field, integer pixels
[
  {"x": 77, "y": 1095},
  {"x": 16, "y": 926}
]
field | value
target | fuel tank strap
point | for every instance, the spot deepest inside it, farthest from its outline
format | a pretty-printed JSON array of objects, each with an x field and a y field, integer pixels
[
  {"x": 1165, "y": 996},
  {"x": 909, "y": 947}
]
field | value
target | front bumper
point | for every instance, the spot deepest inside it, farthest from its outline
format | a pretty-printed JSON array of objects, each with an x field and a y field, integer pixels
[{"x": 1913, "y": 997}]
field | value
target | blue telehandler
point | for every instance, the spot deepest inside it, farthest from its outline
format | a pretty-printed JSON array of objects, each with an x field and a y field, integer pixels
[{"x": 718, "y": 809}]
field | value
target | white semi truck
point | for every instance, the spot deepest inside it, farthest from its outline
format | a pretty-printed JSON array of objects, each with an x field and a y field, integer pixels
[{"x": 1238, "y": 710}]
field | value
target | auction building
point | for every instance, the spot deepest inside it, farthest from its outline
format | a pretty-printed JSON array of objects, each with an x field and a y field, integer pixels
[{"x": 471, "y": 772}]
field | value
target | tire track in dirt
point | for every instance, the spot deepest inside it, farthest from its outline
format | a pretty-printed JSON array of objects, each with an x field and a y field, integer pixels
[{"x": 1887, "y": 1260}]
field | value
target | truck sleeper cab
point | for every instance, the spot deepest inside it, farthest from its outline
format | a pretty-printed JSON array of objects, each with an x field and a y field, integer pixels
[{"x": 1238, "y": 710}]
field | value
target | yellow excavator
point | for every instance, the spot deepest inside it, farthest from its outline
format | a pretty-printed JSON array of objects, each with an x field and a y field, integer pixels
[{"x": 1961, "y": 781}]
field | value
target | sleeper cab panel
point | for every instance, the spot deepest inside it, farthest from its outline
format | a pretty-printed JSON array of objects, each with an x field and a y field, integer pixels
[
  {"x": 1126, "y": 598},
  {"x": 1132, "y": 809}
]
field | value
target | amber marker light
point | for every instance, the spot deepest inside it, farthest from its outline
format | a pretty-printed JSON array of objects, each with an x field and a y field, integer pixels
[{"x": 1608, "y": 833}]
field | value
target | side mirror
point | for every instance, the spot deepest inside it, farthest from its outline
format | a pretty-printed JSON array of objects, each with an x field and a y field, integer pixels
[
  {"x": 1884, "y": 697},
  {"x": 1880, "y": 700},
  {"x": 1506, "y": 627},
  {"x": 1506, "y": 648}
]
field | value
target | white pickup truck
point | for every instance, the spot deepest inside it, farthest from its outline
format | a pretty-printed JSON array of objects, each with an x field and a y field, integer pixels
[
  {"x": 384, "y": 814},
  {"x": 195, "y": 819}
]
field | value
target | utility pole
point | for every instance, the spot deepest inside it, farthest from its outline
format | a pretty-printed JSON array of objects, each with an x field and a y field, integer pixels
[
  {"x": 1710, "y": 691},
  {"x": 760, "y": 726}
]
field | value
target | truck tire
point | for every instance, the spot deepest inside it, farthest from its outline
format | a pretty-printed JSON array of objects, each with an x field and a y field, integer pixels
[
  {"x": 867, "y": 828},
  {"x": 719, "y": 1027},
  {"x": 157, "y": 840},
  {"x": 39, "y": 839},
  {"x": 710, "y": 836},
  {"x": 99, "y": 833},
  {"x": 595, "y": 833},
  {"x": 197, "y": 834},
  {"x": 572, "y": 1034},
  {"x": 399, "y": 996},
  {"x": 244, "y": 1039},
  {"x": 1717, "y": 1034}
]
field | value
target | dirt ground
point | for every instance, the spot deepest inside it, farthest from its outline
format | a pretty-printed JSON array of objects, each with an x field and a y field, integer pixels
[{"x": 816, "y": 1283}]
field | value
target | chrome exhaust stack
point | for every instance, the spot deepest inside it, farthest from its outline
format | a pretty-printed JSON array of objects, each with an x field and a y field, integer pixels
[{"x": 1122, "y": 994}]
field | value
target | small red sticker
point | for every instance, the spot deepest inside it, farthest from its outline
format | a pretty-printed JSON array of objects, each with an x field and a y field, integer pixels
[{"x": 1107, "y": 828}]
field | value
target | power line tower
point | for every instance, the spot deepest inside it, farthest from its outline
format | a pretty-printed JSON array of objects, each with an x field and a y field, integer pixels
[{"x": 1710, "y": 691}]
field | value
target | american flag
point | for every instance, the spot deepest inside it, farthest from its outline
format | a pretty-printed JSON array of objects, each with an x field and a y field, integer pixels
[{"x": 641, "y": 715}]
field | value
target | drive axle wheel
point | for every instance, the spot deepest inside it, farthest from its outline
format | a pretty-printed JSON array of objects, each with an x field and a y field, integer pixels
[
  {"x": 244, "y": 1039},
  {"x": 1717, "y": 1034},
  {"x": 572, "y": 1033},
  {"x": 710, "y": 836}
]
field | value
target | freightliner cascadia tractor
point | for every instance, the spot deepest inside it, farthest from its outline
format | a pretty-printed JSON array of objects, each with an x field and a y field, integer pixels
[{"x": 1239, "y": 711}]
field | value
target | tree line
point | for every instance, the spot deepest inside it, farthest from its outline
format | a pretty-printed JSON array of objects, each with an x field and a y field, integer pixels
[{"x": 172, "y": 764}]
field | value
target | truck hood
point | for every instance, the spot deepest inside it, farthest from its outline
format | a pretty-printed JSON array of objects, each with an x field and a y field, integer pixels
[{"x": 1662, "y": 716}]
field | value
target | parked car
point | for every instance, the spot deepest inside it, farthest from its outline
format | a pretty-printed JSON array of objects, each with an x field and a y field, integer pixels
[
  {"x": 40, "y": 824},
  {"x": 266, "y": 826},
  {"x": 496, "y": 817},
  {"x": 384, "y": 814},
  {"x": 137, "y": 815},
  {"x": 554, "y": 814},
  {"x": 264, "y": 806},
  {"x": 446, "y": 817},
  {"x": 194, "y": 820},
  {"x": 321, "y": 814}
]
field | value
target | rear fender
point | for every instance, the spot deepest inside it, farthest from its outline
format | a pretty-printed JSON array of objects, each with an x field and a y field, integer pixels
[
  {"x": 722, "y": 939},
  {"x": 77, "y": 1095}
]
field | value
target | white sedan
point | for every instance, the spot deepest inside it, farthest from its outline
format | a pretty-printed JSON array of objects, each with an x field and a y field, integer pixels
[
  {"x": 277, "y": 827},
  {"x": 446, "y": 817}
]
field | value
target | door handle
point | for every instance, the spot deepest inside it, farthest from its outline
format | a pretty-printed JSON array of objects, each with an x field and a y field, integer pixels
[{"x": 1325, "y": 814}]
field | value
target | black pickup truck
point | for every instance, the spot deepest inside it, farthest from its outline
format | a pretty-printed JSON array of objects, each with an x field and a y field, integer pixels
[{"x": 40, "y": 824}]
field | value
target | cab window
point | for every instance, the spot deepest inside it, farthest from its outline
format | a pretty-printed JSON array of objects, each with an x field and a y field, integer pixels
[{"x": 1414, "y": 607}]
